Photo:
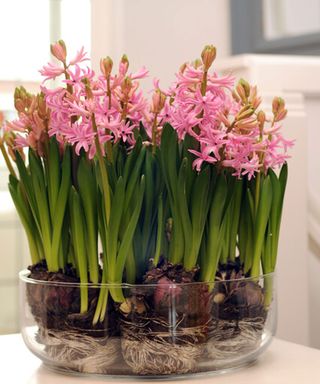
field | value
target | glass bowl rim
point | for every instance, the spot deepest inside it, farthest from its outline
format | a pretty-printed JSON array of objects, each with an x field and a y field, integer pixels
[{"x": 23, "y": 277}]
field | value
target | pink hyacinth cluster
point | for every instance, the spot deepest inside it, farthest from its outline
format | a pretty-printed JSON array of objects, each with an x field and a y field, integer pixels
[
  {"x": 31, "y": 126},
  {"x": 226, "y": 122},
  {"x": 92, "y": 112},
  {"x": 94, "y": 109}
]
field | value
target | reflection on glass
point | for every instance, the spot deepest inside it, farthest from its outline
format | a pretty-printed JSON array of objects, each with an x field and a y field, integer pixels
[{"x": 287, "y": 18}]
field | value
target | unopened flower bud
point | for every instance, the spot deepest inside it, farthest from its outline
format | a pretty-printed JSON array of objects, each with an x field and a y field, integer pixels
[
  {"x": 124, "y": 65},
  {"x": 244, "y": 109},
  {"x": 183, "y": 67},
  {"x": 19, "y": 105},
  {"x": 235, "y": 96},
  {"x": 87, "y": 85},
  {"x": 246, "y": 87},
  {"x": 246, "y": 124},
  {"x": 126, "y": 85},
  {"x": 247, "y": 113},
  {"x": 42, "y": 107},
  {"x": 106, "y": 65},
  {"x": 59, "y": 50},
  {"x": 278, "y": 105},
  {"x": 223, "y": 118},
  {"x": 20, "y": 93},
  {"x": 281, "y": 115},
  {"x": 17, "y": 93},
  {"x": 158, "y": 101},
  {"x": 261, "y": 117},
  {"x": 241, "y": 92},
  {"x": 33, "y": 104},
  {"x": 197, "y": 63},
  {"x": 22, "y": 99},
  {"x": 256, "y": 102},
  {"x": 208, "y": 55}
]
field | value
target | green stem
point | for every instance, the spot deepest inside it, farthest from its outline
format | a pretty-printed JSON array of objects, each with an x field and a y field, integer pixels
[
  {"x": 215, "y": 230},
  {"x": 103, "y": 171},
  {"x": 154, "y": 133},
  {"x": 257, "y": 193},
  {"x": 131, "y": 267},
  {"x": 268, "y": 290},
  {"x": 204, "y": 83},
  {"x": 87, "y": 191},
  {"x": 78, "y": 232},
  {"x": 103, "y": 296},
  {"x": 7, "y": 160},
  {"x": 109, "y": 145},
  {"x": 159, "y": 232},
  {"x": 261, "y": 222}
]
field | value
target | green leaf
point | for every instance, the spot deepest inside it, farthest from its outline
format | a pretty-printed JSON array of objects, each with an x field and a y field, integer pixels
[
  {"x": 182, "y": 202},
  {"x": 160, "y": 231},
  {"x": 128, "y": 234},
  {"x": 261, "y": 222},
  {"x": 79, "y": 243},
  {"x": 133, "y": 179},
  {"x": 131, "y": 160},
  {"x": 61, "y": 203},
  {"x": 116, "y": 213},
  {"x": 148, "y": 203},
  {"x": 246, "y": 229},
  {"x": 27, "y": 186},
  {"x": 215, "y": 229},
  {"x": 169, "y": 158},
  {"x": 234, "y": 223},
  {"x": 40, "y": 193},
  {"x": 53, "y": 177},
  {"x": 278, "y": 187},
  {"x": 199, "y": 211},
  {"x": 25, "y": 214},
  {"x": 130, "y": 267},
  {"x": 88, "y": 193}
]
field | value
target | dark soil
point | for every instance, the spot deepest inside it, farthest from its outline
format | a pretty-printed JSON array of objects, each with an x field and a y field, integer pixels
[
  {"x": 58, "y": 306},
  {"x": 174, "y": 272},
  {"x": 236, "y": 300},
  {"x": 190, "y": 299}
]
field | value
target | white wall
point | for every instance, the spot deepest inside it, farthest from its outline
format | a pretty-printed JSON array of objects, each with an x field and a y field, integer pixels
[
  {"x": 313, "y": 108},
  {"x": 160, "y": 34}
]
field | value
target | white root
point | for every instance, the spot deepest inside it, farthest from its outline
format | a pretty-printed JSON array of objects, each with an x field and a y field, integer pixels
[
  {"x": 231, "y": 339},
  {"x": 80, "y": 352},
  {"x": 150, "y": 357},
  {"x": 172, "y": 351}
]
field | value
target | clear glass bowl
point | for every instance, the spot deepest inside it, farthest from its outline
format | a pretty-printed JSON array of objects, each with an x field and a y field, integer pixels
[{"x": 162, "y": 329}]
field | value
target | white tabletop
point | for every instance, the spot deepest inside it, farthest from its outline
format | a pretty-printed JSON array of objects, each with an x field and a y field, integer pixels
[{"x": 282, "y": 363}]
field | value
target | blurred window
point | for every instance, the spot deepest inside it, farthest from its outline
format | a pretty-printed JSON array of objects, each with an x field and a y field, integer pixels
[
  {"x": 275, "y": 26},
  {"x": 287, "y": 18}
]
